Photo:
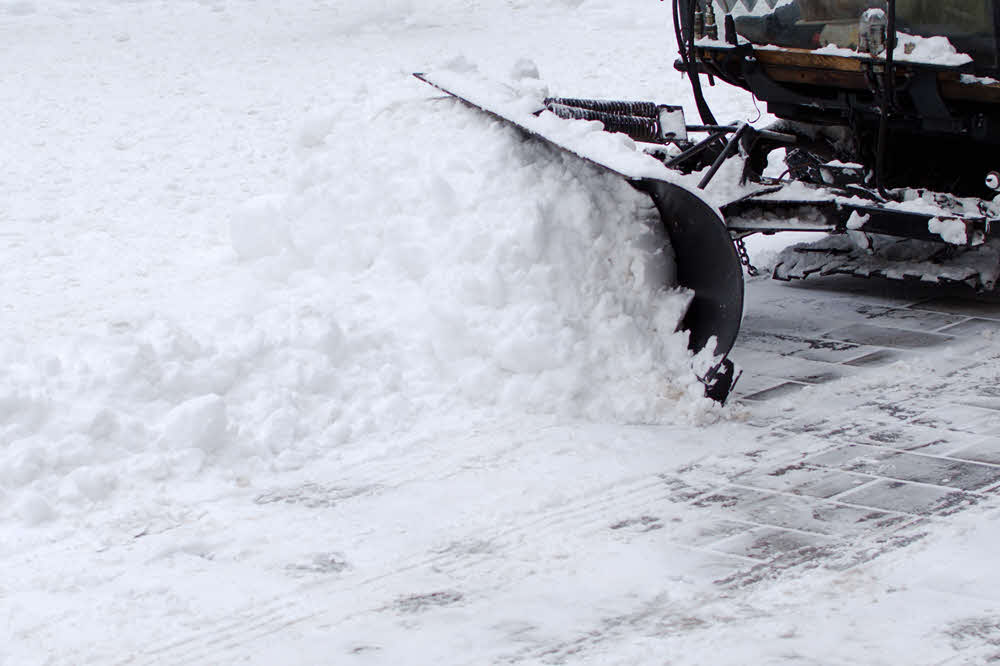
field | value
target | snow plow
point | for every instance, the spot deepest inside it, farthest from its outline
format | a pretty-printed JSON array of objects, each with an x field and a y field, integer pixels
[{"x": 885, "y": 146}]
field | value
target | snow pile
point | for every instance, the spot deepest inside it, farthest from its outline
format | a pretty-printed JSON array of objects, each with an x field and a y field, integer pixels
[
  {"x": 426, "y": 269},
  {"x": 488, "y": 270},
  {"x": 932, "y": 50}
]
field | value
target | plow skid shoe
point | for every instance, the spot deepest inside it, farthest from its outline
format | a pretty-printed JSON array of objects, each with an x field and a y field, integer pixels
[{"x": 706, "y": 259}]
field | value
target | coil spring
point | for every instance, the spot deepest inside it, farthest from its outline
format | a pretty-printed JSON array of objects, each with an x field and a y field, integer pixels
[
  {"x": 636, "y": 127},
  {"x": 613, "y": 107}
]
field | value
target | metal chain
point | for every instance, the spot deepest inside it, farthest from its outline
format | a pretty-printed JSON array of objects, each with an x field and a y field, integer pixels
[{"x": 741, "y": 249}]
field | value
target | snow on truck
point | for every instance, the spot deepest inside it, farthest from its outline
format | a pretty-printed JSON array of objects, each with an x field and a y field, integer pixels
[{"x": 889, "y": 120}]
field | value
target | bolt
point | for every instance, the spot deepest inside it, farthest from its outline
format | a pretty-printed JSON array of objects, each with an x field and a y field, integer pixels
[{"x": 993, "y": 181}]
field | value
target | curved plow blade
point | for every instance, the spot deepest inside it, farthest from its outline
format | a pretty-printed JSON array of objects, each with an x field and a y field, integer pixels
[
  {"x": 707, "y": 263},
  {"x": 706, "y": 259}
]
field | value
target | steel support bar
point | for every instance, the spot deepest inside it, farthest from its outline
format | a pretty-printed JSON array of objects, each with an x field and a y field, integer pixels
[
  {"x": 731, "y": 148},
  {"x": 771, "y": 216}
]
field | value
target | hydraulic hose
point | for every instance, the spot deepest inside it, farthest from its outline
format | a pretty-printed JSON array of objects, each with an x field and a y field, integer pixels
[
  {"x": 684, "y": 33},
  {"x": 888, "y": 100}
]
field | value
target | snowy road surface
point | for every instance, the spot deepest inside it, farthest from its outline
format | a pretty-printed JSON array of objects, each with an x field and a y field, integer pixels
[{"x": 302, "y": 364}]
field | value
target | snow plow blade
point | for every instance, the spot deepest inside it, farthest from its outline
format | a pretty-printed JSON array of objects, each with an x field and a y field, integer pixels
[
  {"x": 707, "y": 264},
  {"x": 706, "y": 259}
]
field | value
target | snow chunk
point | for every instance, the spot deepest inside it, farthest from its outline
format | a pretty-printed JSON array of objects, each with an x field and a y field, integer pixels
[
  {"x": 93, "y": 483},
  {"x": 857, "y": 220},
  {"x": 33, "y": 509},
  {"x": 524, "y": 69},
  {"x": 909, "y": 48},
  {"x": 259, "y": 228},
  {"x": 200, "y": 423},
  {"x": 972, "y": 80},
  {"x": 930, "y": 50},
  {"x": 829, "y": 49},
  {"x": 950, "y": 231},
  {"x": 315, "y": 129},
  {"x": 837, "y": 164}
]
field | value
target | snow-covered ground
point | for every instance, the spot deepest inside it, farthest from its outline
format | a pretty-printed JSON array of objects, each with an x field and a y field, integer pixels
[{"x": 302, "y": 363}]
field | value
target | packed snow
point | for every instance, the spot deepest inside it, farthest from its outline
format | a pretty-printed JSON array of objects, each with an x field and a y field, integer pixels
[
  {"x": 950, "y": 231},
  {"x": 931, "y": 50},
  {"x": 296, "y": 350},
  {"x": 936, "y": 50},
  {"x": 971, "y": 80}
]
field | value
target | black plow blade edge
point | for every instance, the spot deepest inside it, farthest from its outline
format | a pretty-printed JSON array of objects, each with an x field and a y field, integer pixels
[{"x": 707, "y": 264}]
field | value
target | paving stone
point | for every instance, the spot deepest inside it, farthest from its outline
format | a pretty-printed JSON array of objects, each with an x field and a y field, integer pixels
[
  {"x": 837, "y": 352},
  {"x": 808, "y": 348},
  {"x": 852, "y": 520},
  {"x": 807, "y": 480},
  {"x": 942, "y": 446},
  {"x": 970, "y": 308},
  {"x": 805, "y": 514},
  {"x": 854, "y": 458},
  {"x": 754, "y": 382},
  {"x": 906, "y": 436},
  {"x": 917, "y": 320},
  {"x": 709, "y": 532},
  {"x": 712, "y": 566},
  {"x": 768, "y": 542},
  {"x": 910, "y": 530},
  {"x": 910, "y": 498},
  {"x": 904, "y": 466},
  {"x": 786, "y": 345},
  {"x": 943, "y": 472},
  {"x": 983, "y": 402},
  {"x": 881, "y": 336},
  {"x": 813, "y": 374},
  {"x": 973, "y": 327},
  {"x": 794, "y": 369},
  {"x": 826, "y": 432},
  {"x": 875, "y": 359},
  {"x": 774, "y": 324},
  {"x": 923, "y": 439},
  {"x": 780, "y": 391},
  {"x": 679, "y": 491},
  {"x": 985, "y": 451},
  {"x": 962, "y": 418}
]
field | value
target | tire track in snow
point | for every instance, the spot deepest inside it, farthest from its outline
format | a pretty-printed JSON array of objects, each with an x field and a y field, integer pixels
[{"x": 596, "y": 509}]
